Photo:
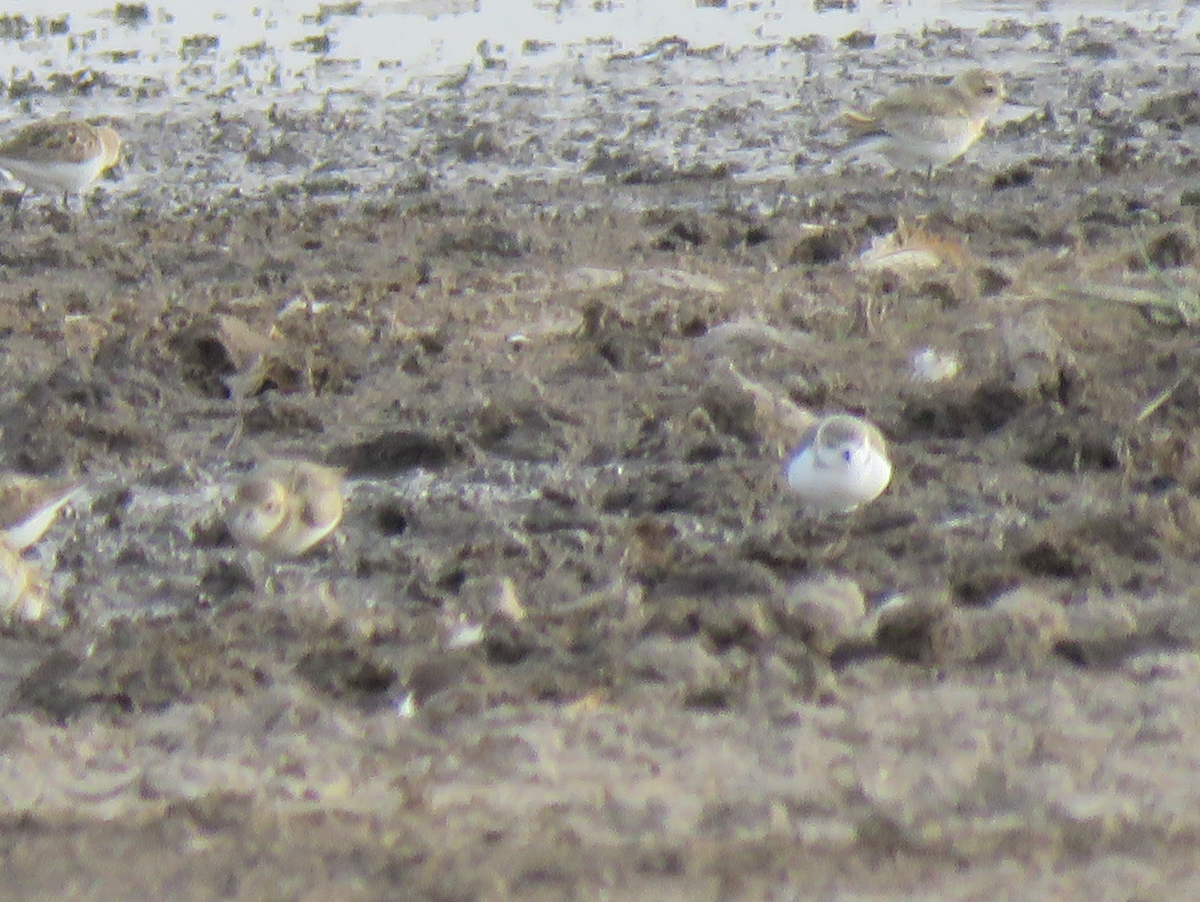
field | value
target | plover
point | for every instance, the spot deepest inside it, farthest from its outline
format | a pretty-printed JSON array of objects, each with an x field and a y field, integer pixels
[
  {"x": 928, "y": 125},
  {"x": 840, "y": 464}
]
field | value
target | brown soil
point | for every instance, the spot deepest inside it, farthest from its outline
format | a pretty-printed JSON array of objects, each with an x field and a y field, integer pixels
[{"x": 571, "y": 642}]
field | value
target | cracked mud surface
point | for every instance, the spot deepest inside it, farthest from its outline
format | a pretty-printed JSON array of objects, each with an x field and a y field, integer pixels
[{"x": 575, "y": 638}]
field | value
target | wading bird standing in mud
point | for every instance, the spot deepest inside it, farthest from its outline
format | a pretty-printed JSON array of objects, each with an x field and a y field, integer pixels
[
  {"x": 927, "y": 125},
  {"x": 840, "y": 464},
  {"x": 65, "y": 155},
  {"x": 286, "y": 507}
]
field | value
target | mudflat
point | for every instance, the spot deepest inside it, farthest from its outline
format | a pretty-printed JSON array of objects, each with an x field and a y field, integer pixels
[{"x": 574, "y": 638}]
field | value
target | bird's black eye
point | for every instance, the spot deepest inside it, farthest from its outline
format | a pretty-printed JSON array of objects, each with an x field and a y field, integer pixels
[
  {"x": 847, "y": 454},
  {"x": 988, "y": 90}
]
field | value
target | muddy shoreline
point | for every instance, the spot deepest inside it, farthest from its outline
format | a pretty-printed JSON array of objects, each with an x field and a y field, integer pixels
[{"x": 574, "y": 635}]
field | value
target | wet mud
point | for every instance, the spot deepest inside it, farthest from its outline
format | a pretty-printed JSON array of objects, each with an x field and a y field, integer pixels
[{"x": 574, "y": 637}]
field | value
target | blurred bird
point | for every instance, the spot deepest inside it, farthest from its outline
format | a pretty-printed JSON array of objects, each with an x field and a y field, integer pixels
[
  {"x": 65, "y": 155},
  {"x": 284, "y": 507},
  {"x": 928, "y": 125},
  {"x": 28, "y": 505},
  {"x": 840, "y": 464},
  {"x": 23, "y": 595}
]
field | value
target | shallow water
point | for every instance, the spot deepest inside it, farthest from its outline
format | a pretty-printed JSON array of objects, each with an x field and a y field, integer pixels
[{"x": 284, "y": 46}]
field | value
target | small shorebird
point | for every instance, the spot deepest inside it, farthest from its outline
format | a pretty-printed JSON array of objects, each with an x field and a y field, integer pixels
[
  {"x": 64, "y": 155},
  {"x": 927, "y": 125},
  {"x": 286, "y": 507},
  {"x": 23, "y": 594},
  {"x": 840, "y": 464},
  {"x": 28, "y": 505}
]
